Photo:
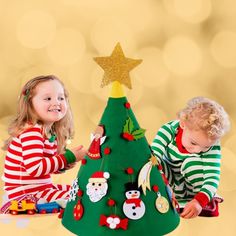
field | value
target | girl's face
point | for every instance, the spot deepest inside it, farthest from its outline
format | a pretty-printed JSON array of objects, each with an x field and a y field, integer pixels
[
  {"x": 195, "y": 141},
  {"x": 49, "y": 101}
]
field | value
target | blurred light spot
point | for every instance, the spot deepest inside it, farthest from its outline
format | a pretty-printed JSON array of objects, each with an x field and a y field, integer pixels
[
  {"x": 80, "y": 73},
  {"x": 182, "y": 56},
  {"x": 94, "y": 110},
  {"x": 230, "y": 141},
  {"x": 194, "y": 11},
  {"x": 36, "y": 29},
  {"x": 67, "y": 48},
  {"x": 108, "y": 31},
  {"x": 152, "y": 71},
  {"x": 223, "y": 48},
  {"x": 228, "y": 170}
]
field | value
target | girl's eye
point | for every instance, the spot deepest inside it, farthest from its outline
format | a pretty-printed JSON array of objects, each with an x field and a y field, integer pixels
[
  {"x": 47, "y": 99},
  {"x": 61, "y": 98},
  {"x": 193, "y": 143}
]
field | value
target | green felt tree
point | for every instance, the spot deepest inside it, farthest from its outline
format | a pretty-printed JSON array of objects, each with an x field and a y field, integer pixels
[{"x": 120, "y": 188}]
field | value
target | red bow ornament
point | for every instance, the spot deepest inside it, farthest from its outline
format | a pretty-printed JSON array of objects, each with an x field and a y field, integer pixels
[{"x": 114, "y": 222}]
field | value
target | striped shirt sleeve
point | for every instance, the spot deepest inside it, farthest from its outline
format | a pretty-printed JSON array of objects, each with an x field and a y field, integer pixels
[
  {"x": 35, "y": 163},
  {"x": 211, "y": 171},
  {"x": 161, "y": 140}
]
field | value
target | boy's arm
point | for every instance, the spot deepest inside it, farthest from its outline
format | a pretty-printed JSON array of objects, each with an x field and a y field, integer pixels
[
  {"x": 211, "y": 172},
  {"x": 35, "y": 163},
  {"x": 162, "y": 139}
]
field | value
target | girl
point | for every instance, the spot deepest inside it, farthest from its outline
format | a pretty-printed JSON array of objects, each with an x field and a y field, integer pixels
[
  {"x": 189, "y": 151},
  {"x": 36, "y": 147}
]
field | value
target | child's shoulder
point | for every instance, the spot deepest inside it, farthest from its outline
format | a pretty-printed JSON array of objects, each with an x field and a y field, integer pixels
[
  {"x": 28, "y": 128},
  {"x": 173, "y": 125}
]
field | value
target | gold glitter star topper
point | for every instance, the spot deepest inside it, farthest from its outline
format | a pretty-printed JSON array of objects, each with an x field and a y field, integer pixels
[{"x": 117, "y": 67}]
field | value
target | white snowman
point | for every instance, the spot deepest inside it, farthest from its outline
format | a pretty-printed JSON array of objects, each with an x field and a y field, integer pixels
[{"x": 133, "y": 206}]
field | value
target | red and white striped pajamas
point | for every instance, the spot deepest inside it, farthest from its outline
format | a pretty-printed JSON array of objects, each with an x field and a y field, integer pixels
[{"x": 29, "y": 163}]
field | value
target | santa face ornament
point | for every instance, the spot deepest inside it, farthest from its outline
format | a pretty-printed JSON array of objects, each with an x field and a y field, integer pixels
[{"x": 97, "y": 186}]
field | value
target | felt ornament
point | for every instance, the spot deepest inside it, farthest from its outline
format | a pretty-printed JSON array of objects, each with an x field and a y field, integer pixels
[
  {"x": 111, "y": 202},
  {"x": 114, "y": 222},
  {"x": 97, "y": 139},
  {"x": 127, "y": 105},
  {"x": 162, "y": 205},
  {"x": 97, "y": 186},
  {"x": 78, "y": 210},
  {"x": 73, "y": 190},
  {"x": 83, "y": 161},
  {"x": 117, "y": 67},
  {"x": 133, "y": 207},
  {"x": 144, "y": 174},
  {"x": 107, "y": 151},
  {"x": 129, "y": 133}
]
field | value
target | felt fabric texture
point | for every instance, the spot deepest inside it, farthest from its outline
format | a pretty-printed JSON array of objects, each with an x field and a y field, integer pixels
[{"x": 123, "y": 154}]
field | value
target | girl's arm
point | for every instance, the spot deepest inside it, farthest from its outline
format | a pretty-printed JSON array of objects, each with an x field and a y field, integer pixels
[{"x": 35, "y": 163}]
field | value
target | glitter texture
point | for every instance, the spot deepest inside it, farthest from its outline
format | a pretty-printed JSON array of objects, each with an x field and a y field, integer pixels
[{"x": 117, "y": 67}]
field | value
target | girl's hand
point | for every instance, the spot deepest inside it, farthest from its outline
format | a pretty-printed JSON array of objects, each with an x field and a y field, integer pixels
[
  {"x": 70, "y": 166},
  {"x": 191, "y": 210},
  {"x": 79, "y": 152}
]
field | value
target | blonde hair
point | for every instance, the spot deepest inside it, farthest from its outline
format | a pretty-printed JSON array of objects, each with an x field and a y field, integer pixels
[
  {"x": 207, "y": 115},
  {"x": 63, "y": 129}
]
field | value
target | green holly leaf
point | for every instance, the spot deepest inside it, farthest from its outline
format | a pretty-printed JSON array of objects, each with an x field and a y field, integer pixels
[
  {"x": 138, "y": 133},
  {"x": 129, "y": 126}
]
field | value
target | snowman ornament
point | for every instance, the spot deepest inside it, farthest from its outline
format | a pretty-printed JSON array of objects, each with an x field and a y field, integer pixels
[{"x": 133, "y": 207}]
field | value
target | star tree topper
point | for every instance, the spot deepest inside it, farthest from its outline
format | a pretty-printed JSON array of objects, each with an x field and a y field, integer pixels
[{"x": 117, "y": 67}]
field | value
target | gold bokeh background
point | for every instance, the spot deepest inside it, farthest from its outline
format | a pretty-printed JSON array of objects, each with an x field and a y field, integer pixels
[{"x": 188, "y": 49}]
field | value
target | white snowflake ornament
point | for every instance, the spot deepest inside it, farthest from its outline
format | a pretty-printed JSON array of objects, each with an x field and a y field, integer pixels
[{"x": 73, "y": 190}]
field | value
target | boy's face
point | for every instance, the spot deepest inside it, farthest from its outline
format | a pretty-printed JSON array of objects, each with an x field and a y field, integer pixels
[
  {"x": 49, "y": 101},
  {"x": 195, "y": 141}
]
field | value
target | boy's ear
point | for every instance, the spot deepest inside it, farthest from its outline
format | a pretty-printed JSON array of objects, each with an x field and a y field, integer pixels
[{"x": 182, "y": 124}]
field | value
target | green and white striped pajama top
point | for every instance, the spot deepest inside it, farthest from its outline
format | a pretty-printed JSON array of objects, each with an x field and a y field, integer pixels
[{"x": 190, "y": 175}]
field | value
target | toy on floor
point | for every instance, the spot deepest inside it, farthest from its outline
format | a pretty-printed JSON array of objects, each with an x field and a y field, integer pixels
[
  {"x": 30, "y": 207},
  {"x": 24, "y": 206}
]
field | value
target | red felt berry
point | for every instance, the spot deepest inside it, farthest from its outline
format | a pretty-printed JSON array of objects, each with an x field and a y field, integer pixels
[
  {"x": 131, "y": 137},
  {"x": 107, "y": 151},
  {"x": 155, "y": 188},
  {"x": 80, "y": 193},
  {"x": 129, "y": 170},
  {"x": 125, "y": 135},
  {"x": 127, "y": 105},
  {"x": 128, "y": 136},
  {"x": 83, "y": 161},
  {"x": 111, "y": 202}
]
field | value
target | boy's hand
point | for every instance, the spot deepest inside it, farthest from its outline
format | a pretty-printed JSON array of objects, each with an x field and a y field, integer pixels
[
  {"x": 191, "y": 210},
  {"x": 79, "y": 152}
]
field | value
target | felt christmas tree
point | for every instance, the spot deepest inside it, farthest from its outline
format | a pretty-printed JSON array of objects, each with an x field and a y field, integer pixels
[{"x": 120, "y": 188}]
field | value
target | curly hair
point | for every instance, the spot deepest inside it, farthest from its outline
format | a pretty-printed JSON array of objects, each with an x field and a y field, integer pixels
[
  {"x": 25, "y": 114},
  {"x": 207, "y": 115}
]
